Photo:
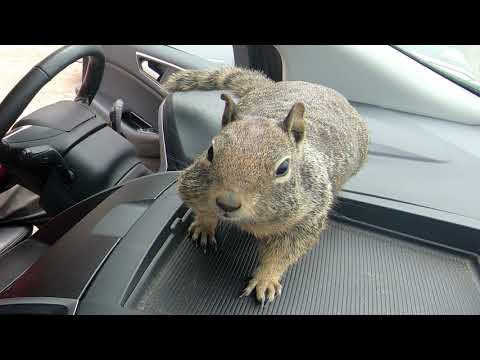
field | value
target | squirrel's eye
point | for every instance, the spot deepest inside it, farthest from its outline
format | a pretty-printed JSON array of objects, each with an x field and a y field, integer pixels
[
  {"x": 282, "y": 168},
  {"x": 210, "y": 154}
]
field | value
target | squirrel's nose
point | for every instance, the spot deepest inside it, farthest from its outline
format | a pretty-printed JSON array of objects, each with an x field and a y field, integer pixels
[{"x": 228, "y": 202}]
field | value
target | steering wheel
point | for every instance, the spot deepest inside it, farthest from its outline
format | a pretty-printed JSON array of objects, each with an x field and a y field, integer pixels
[{"x": 22, "y": 94}]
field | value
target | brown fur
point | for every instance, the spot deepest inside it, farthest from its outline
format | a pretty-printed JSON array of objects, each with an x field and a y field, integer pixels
[{"x": 315, "y": 127}]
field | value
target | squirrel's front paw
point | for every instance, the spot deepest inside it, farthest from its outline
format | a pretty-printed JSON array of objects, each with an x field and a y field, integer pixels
[
  {"x": 203, "y": 234},
  {"x": 267, "y": 288}
]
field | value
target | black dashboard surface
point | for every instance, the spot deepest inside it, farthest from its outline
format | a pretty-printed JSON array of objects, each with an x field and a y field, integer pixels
[
  {"x": 351, "y": 271},
  {"x": 127, "y": 255},
  {"x": 70, "y": 264}
]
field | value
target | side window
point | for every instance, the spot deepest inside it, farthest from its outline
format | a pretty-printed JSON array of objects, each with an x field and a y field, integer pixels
[
  {"x": 265, "y": 58},
  {"x": 215, "y": 53},
  {"x": 17, "y": 60}
]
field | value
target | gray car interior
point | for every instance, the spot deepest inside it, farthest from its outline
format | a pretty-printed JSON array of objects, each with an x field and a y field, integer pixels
[
  {"x": 414, "y": 162},
  {"x": 63, "y": 152}
]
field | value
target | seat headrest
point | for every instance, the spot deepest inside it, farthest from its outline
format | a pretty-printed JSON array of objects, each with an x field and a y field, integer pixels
[{"x": 189, "y": 121}]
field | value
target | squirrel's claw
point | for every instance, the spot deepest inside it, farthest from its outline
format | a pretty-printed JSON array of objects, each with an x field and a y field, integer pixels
[
  {"x": 213, "y": 242},
  {"x": 266, "y": 290},
  {"x": 203, "y": 242},
  {"x": 245, "y": 293},
  {"x": 202, "y": 238}
]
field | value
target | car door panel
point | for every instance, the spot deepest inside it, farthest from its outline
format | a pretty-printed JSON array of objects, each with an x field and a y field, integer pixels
[{"x": 130, "y": 75}]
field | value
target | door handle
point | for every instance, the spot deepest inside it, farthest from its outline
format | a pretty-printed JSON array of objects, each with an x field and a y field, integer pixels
[
  {"x": 148, "y": 69},
  {"x": 155, "y": 69}
]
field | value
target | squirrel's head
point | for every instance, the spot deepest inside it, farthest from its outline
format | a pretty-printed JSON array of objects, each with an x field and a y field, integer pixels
[{"x": 250, "y": 173}]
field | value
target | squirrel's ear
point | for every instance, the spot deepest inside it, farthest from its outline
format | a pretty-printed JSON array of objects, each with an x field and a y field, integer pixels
[
  {"x": 230, "y": 113},
  {"x": 294, "y": 122}
]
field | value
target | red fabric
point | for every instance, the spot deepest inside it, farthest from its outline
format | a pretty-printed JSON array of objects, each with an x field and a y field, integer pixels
[{"x": 3, "y": 173}]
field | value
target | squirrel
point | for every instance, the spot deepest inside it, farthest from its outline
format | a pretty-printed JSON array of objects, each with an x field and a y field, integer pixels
[{"x": 284, "y": 151}]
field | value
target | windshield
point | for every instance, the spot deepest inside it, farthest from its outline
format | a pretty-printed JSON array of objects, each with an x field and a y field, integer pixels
[{"x": 459, "y": 63}]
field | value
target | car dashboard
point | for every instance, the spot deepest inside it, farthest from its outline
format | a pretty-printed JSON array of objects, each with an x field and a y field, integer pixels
[{"x": 124, "y": 251}]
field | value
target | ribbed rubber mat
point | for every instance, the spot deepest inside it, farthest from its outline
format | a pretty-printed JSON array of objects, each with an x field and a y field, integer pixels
[{"x": 350, "y": 271}]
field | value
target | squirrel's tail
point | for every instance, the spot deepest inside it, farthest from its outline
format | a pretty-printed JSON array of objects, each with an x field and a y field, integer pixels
[{"x": 238, "y": 80}]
